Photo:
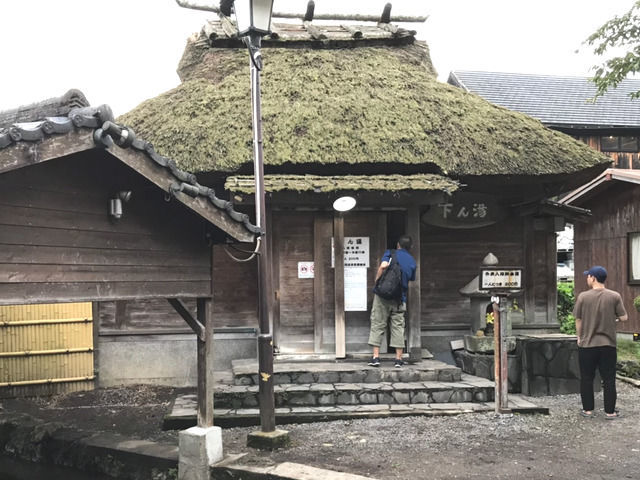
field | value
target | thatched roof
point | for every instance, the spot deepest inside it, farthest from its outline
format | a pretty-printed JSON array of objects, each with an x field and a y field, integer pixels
[
  {"x": 326, "y": 184},
  {"x": 376, "y": 106}
]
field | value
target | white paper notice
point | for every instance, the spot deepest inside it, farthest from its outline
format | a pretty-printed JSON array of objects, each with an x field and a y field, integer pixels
[
  {"x": 305, "y": 270},
  {"x": 355, "y": 289}
]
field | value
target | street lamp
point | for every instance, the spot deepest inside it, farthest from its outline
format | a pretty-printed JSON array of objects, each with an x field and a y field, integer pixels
[{"x": 253, "y": 20}]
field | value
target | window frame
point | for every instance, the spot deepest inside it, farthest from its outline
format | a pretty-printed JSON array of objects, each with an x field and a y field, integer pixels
[{"x": 630, "y": 279}]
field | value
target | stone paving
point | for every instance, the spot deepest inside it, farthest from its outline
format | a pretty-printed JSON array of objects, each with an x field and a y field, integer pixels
[
  {"x": 316, "y": 391},
  {"x": 246, "y": 372},
  {"x": 184, "y": 410},
  {"x": 468, "y": 389}
]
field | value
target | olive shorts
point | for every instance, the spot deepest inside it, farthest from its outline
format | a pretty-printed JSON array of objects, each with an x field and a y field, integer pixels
[{"x": 381, "y": 311}]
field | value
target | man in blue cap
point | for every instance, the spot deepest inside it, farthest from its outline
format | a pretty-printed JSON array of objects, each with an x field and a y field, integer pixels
[{"x": 596, "y": 311}]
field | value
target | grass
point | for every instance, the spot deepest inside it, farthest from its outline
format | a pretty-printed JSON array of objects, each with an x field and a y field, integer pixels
[{"x": 628, "y": 350}]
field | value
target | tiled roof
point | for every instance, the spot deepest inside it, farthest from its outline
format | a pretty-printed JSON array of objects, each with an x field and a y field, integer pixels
[
  {"x": 323, "y": 184},
  {"x": 105, "y": 134},
  {"x": 555, "y": 100}
]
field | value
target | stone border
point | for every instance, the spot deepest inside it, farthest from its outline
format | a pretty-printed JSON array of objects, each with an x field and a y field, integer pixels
[{"x": 630, "y": 381}]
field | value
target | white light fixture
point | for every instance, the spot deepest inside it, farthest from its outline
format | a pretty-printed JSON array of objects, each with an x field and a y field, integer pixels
[
  {"x": 115, "y": 204},
  {"x": 344, "y": 204},
  {"x": 253, "y": 16}
]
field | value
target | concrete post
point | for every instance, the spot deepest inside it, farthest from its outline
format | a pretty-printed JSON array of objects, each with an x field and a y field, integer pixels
[{"x": 199, "y": 448}]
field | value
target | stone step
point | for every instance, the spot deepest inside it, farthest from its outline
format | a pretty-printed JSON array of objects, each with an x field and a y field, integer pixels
[
  {"x": 469, "y": 389},
  {"x": 183, "y": 412},
  {"x": 245, "y": 372}
]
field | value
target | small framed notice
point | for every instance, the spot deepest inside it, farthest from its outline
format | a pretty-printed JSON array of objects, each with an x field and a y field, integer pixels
[
  {"x": 305, "y": 270},
  {"x": 501, "y": 278}
]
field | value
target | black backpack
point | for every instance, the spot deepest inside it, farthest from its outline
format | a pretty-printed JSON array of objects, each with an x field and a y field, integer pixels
[{"x": 389, "y": 285}]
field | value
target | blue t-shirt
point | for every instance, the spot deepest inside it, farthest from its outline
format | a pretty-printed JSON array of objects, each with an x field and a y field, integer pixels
[{"x": 407, "y": 265}]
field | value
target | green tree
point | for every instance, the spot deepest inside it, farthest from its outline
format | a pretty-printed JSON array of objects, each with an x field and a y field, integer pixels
[
  {"x": 566, "y": 301},
  {"x": 618, "y": 33}
]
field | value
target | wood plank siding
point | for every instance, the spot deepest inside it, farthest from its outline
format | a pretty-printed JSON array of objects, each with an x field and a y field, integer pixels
[
  {"x": 603, "y": 241},
  {"x": 58, "y": 243},
  {"x": 451, "y": 258}
]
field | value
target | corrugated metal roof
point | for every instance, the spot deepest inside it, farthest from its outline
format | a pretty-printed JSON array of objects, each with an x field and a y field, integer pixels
[{"x": 555, "y": 100}]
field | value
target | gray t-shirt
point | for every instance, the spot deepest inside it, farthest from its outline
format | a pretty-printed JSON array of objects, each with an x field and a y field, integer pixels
[{"x": 598, "y": 309}]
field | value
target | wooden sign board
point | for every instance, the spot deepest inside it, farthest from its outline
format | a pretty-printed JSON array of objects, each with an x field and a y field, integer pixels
[
  {"x": 501, "y": 278},
  {"x": 465, "y": 210}
]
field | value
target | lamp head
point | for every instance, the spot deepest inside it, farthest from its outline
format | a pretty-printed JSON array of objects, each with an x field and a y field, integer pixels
[
  {"x": 253, "y": 16},
  {"x": 344, "y": 204}
]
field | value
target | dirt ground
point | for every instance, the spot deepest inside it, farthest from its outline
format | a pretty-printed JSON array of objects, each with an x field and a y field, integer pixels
[{"x": 562, "y": 445}]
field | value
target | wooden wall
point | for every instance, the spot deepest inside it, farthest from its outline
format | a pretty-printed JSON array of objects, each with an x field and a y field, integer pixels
[
  {"x": 620, "y": 159},
  {"x": 603, "y": 241},
  {"x": 452, "y": 257},
  {"x": 58, "y": 243}
]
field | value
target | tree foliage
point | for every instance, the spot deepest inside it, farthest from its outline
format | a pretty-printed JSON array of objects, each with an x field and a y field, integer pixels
[{"x": 618, "y": 33}]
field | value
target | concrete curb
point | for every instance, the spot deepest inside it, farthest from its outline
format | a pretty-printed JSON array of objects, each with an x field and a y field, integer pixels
[
  {"x": 47, "y": 443},
  {"x": 630, "y": 381},
  {"x": 25, "y": 438},
  {"x": 231, "y": 470}
]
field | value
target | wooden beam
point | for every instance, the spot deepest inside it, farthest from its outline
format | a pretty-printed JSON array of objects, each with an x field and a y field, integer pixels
[
  {"x": 163, "y": 179},
  {"x": 95, "y": 314},
  {"x": 23, "y": 154},
  {"x": 197, "y": 326},
  {"x": 207, "y": 7},
  {"x": 318, "y": 284},
  {"x": 338, "y": 247},
  {"x": 271, "y": 281},
  {"x": 205, "y": 364},
  {"x": 414, "y": 300},
  {"x": 529, "y": 271},
  {"x": 552, "y": 278}
]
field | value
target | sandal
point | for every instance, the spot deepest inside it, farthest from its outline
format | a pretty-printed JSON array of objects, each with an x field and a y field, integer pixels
[
  {"x": 613, "y": 416},
  {"x": 586, "y": 414}
]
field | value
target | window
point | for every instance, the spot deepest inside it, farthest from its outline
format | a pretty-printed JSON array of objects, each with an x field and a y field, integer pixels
[
  {"x": 619, "y": 144},
  {"x": 633, "y": 252}
]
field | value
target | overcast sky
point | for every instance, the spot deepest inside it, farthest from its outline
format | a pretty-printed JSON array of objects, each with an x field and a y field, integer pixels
[{"x": 121, "y": 52}]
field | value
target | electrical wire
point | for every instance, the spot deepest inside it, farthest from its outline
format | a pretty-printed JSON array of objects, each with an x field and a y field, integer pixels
[{"x": 253, "y": 254}]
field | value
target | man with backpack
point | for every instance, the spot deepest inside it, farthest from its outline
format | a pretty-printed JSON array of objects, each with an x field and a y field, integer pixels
[{"x": 395, "y": 272}]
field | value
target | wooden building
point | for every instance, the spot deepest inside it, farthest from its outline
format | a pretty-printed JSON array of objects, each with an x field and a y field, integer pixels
[
  {"x": 612, "y": 236},
  {"x": 610, "y": 124},
  {"x": 357, "y": 110},
  {"x": 91, "y": 213}
]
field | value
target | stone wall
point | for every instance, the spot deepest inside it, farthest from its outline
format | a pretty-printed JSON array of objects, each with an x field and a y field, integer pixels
[{"x": 545, "y": 364}]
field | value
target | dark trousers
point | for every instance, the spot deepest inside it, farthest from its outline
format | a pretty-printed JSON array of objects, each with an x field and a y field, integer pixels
[{"x": 604, "y": 359}]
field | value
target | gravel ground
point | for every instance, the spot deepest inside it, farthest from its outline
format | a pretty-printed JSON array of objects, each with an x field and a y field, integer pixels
[{"x": 474, "y": 446}]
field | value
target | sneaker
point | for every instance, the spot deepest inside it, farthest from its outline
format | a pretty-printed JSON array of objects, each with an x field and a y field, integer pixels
[
  {"x": 399, "y": 363},
  {"x": 375, "y": 362}
]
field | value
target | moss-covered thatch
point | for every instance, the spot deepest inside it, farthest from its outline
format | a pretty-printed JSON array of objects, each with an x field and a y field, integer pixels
[
  {"x": 325, "y": 184},
  {"x": 354, "y": 106}
]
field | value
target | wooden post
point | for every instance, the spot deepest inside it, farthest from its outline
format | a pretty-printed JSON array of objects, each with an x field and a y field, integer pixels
[
  {"x": 95, "y": 314},
  {"x": 205, "y": 364},
  {"x": 338, "y": 247},
  {"x": 501, "y": 371},
  {"x": 414, "y": 300}
]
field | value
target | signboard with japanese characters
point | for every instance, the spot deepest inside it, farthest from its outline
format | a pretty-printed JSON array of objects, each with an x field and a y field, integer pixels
[
  {"x": 356, "y": 252},
  {"x": 355, "y": 289},
  {"x": 305, "y": 270},
  {"x": 501, "y": 278},
  {"x": 465, "y": 210}
]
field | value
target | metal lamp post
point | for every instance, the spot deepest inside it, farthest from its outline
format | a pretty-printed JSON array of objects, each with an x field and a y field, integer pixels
[{"x": 253, "y": 19}]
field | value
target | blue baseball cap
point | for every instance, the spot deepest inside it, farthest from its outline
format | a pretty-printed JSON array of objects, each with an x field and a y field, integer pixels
[{"x": 598, "y": 272}]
